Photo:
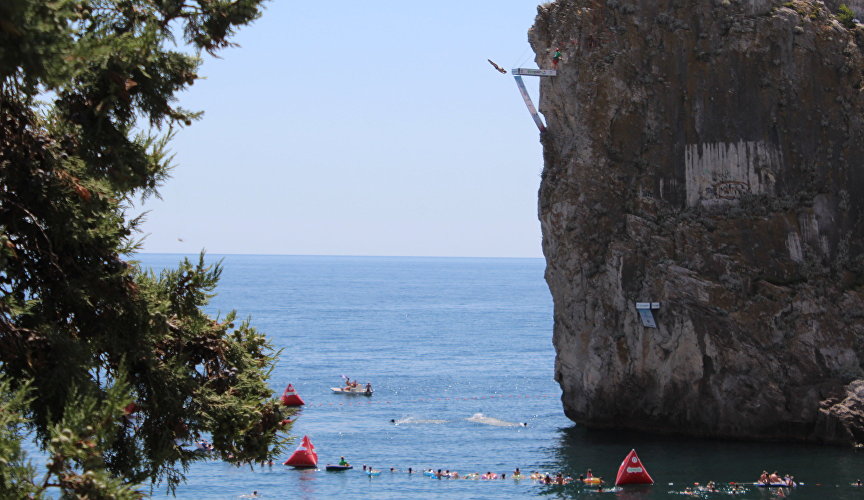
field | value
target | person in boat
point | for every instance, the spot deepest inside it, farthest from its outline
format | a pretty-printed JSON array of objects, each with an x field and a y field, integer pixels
[
  {"x": 589, "y": 474},
  {"x": 410, "y": 470},
  {"x": 789, "y": 480},
  {"x": 343, "y": 462},
  {"x": 763, "y": 478},
  {"x": 559, "y": 478},
  {"x": 711, "y": 486},
  {"x": 858, "y": 483},
  {"x": 368, "y": 388},
  {"x": 773, "y": 478}
]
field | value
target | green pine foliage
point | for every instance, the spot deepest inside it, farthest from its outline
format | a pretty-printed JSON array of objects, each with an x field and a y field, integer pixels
[
  {"x": 114, "y": 370},
  {"x": 846, "y": 16}
]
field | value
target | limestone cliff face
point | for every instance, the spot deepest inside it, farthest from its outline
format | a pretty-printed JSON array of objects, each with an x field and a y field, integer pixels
[{"x": 708, "y": 155}]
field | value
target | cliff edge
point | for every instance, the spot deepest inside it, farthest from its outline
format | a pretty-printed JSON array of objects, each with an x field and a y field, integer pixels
[{"x": 708, "y": 156}]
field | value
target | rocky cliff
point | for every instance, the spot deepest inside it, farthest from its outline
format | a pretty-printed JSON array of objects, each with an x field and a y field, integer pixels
[{"x": 707, "y": 155}]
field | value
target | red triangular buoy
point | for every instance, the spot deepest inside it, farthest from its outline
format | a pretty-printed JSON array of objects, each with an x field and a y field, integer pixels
[
  {"x": 632, "y": 471},
  {"x": 290, "y": 397},
  {"x": 305, "y": 455}
]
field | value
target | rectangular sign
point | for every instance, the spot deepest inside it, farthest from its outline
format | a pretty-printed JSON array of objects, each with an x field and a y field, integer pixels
[
  {"x": 647, "y": 318},
  {"x": 534, "y": 72}
]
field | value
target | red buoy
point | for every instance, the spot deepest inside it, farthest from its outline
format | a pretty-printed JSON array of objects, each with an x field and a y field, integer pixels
[
  {"x": 304, "y": 457},
  {"x": 290, "y": 397},
  {"x": 632, "y": 471}
]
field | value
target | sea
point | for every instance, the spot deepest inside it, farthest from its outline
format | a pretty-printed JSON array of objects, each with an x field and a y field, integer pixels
[{"x": 459, "y": 353}]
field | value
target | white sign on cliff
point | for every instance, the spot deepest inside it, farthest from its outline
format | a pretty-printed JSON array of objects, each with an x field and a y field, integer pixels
[{"x": 644, "y": 309}]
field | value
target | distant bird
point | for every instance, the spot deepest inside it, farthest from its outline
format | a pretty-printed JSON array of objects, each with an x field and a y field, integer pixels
[
  {"x": 180, "y": 240},
  {"x": 499, "y": 68}
]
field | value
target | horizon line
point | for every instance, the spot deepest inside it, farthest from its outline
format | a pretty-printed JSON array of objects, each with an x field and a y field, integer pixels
[{"x": 339, "y": 255}]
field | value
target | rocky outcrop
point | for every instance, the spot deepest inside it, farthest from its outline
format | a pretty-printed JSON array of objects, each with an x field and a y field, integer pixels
[{"x": 708, "y": 156}]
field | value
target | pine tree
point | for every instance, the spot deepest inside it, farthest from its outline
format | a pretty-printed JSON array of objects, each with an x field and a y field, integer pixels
[{"x": 111, "y": 366}]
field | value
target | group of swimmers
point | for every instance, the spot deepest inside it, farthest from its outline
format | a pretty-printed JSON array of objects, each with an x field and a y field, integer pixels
[
  {"x": 516, "y": 475},
  {"x": 774, "y": 479},
  {"x": 203, "y": 445},
  {"x": 711, "y": 487}
]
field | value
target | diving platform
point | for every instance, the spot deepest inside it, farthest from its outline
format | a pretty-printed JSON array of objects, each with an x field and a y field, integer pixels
[{"x": 518, "y": 73}]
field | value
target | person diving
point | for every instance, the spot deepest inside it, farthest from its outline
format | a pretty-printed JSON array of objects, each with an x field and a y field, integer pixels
[{"x": 499, "y": 68}]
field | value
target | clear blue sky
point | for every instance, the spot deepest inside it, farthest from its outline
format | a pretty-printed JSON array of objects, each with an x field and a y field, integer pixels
[{"x": 360, "y": 128}]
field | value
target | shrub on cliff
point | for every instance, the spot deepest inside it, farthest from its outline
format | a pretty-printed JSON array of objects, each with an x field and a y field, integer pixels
[
  {"x": 846, "y": 16},
  {"x": 111, "y": 366}
]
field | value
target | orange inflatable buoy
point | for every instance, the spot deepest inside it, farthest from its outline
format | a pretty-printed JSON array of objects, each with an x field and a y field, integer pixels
[
  {"x": 632, "y": 471},
  {"x": 290, "y": 397},
  {"x": 304, "y": 457}
]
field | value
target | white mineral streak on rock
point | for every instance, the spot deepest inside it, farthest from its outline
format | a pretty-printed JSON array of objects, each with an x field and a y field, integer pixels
[
  {"x": 720, "y": 173},
  {"x": 793, "y": 244}
]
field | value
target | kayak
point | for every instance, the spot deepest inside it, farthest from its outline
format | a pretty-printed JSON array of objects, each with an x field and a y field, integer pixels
[{"x": 338, "y": 467}]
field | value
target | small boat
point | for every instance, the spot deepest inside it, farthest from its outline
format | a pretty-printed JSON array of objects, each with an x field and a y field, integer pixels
[
  {"x": 305, "y": 457},
  {"x": 592, "y": 480},
  {"x": 359, "y": 391},
  {"x": 775, "y": 485},
  {"x": 632, "y": 471},
  {"x": 337, "y": 468}
]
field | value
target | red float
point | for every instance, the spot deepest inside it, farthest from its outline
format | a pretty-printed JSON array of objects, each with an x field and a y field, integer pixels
[
  {"x": 632, "y": 471},
  {"x": 304, "y": 457},
  {"x": 290, "y": 397}
]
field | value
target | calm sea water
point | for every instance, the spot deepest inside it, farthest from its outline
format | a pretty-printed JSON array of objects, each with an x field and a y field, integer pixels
[{"x": 443, "y": 340}]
